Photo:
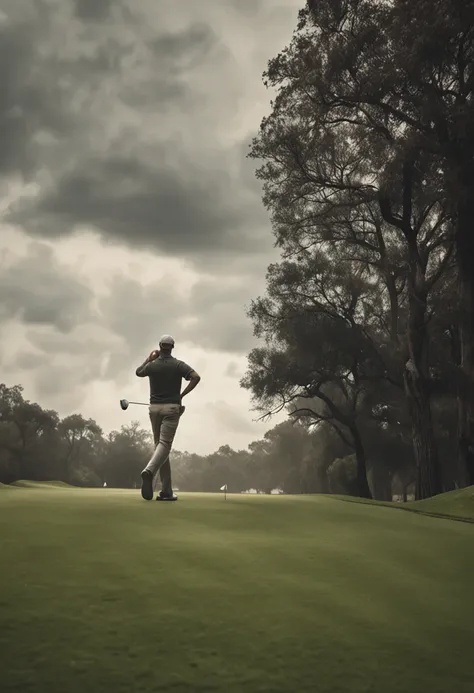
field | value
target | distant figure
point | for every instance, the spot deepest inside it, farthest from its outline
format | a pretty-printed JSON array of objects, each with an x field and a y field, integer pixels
[
  {"x": 105, "y": 484},
  {"x": 165, "y": 374}
]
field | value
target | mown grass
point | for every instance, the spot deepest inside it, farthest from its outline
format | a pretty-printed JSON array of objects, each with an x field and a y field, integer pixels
[
  {"x": 101, "y": 591},
  {"x": 459, "y": 503},
  {"x": 456, "y": 505}
]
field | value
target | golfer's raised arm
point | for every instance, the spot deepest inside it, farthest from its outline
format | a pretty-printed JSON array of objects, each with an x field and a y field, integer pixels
[{"x": 142, "y": 370}]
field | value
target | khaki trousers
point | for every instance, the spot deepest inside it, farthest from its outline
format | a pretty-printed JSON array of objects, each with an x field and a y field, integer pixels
[{"x": 164, "y": 422}]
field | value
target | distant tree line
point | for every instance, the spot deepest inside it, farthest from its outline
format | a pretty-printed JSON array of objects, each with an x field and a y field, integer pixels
[
  {"x": 367, "y": 166},
  {"x": 36, "y": 444}
]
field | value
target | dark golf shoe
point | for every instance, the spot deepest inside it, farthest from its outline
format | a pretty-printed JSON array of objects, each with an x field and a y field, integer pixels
[
  {"x": 147, "y": 485},
  {"x": 166, "y": 497}
]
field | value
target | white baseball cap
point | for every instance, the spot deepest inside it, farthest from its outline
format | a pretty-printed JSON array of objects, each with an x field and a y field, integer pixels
[{"x": 167, "y": 339}]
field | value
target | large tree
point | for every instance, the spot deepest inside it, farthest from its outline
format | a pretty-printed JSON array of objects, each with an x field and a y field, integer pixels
[
  {"x": 79, "y": 437},
  {"x": 403, "y": 72},
  {"x": 126, "y": 453},
  {"x": 335, "y": 173},
  {"x": 316, "y": 318},
  {"x": 23, "y": 427}
]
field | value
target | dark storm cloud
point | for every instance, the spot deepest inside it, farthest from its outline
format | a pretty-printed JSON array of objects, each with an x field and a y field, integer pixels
[
  {"x": 167, "y": 59},
  {"x": 159, "y": 194},
  {"x": 93, "y": 10},
  {"x": 54, "y": 77},
  {"x": 179, "y": 50},
  {"x": 187, "y": 212},
  {"x": 44, "y": 84},
  {"x": 37, "y": 290},
  {"x": 26, "y": 105},
  {"x": 248, "y": 8}
]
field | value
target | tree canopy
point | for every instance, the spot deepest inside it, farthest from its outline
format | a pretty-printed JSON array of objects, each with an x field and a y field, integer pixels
[{"x": 366, "y": 161}]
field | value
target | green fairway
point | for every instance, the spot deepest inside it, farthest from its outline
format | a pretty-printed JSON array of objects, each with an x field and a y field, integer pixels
[{"x": 101, "y": 591}]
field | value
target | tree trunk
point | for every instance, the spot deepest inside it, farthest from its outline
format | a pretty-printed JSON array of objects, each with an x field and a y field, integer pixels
[
  {"x": 323, "y": 479},
  {"x": 417, "y": 386},
  {"x": 465, "y": 254},
  {"x": 363, "y": 489},
  {"x": 416, "y": 373},
  {"x": 428, "y": 477},
  {"x": 405, "y": 478},
  {"x": 381, "y": 482}
]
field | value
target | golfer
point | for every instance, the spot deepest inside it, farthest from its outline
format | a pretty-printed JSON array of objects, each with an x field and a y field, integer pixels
[{"x": 165, "y": 373}]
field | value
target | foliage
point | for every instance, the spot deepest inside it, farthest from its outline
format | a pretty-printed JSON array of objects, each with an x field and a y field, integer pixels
[
  {"x": 292, "y": 456},
  {"x": 366, "y": 165}
]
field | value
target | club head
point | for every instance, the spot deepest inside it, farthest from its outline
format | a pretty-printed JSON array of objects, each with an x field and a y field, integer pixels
[{"x": 124, "y": 404}]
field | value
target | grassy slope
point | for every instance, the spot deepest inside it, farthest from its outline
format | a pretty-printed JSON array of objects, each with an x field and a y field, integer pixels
[
  {"x": 457, "y": 504},
  {"x": 102, "y": 591},
  {"x": 37, "y": 484}
]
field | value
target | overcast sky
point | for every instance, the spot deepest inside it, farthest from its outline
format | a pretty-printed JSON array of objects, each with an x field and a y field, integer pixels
[{"x": 129, "y": 208}]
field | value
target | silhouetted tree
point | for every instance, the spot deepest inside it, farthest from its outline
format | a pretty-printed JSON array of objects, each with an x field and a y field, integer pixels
[{"x": 343, "y": 168}]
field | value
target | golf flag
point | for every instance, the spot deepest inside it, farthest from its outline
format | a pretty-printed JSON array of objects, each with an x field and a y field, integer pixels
[{"x": 224, "y": 488}]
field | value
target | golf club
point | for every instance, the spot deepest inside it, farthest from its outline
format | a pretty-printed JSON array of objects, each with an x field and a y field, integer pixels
[{"x": 124, "y": 403}]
